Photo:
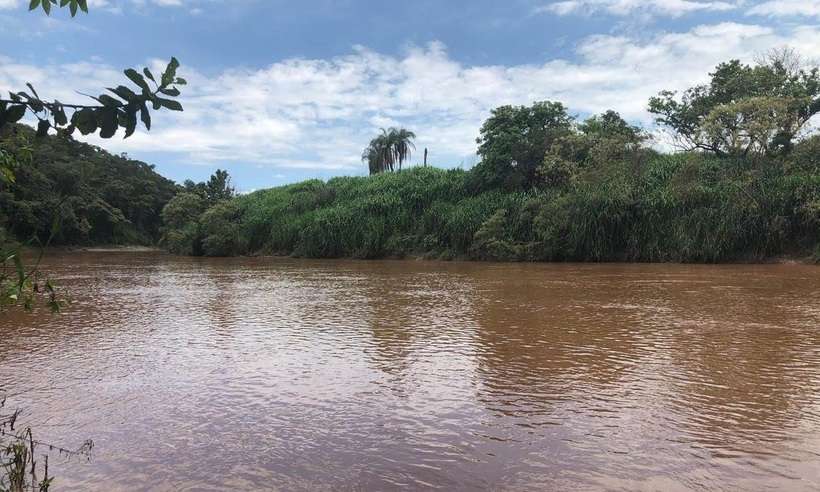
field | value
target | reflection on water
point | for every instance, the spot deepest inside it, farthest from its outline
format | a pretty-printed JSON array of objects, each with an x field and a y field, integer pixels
[{"x": 259, "y": 373}]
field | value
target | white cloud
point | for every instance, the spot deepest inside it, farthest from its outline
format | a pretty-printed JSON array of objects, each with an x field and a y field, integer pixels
[
  {"x": 319, "y": 114},
  {"x": 667, "y": 8},
  {"x": 787, "y": 8}
]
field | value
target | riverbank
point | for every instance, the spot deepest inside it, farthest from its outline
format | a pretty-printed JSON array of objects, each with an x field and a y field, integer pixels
[{"x": 668, "y": 208}]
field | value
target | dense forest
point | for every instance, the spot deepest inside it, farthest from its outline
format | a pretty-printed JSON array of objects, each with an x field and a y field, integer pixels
[
  {"x": 550, "y": 187},
  {"x": 78, "y": 194}
]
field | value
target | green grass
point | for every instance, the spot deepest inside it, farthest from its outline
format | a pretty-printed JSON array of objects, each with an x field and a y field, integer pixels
[{"x": 686, "y": 207}]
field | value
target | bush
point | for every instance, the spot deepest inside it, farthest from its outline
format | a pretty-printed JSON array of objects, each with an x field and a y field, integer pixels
[{"x": 640, "y": 206}]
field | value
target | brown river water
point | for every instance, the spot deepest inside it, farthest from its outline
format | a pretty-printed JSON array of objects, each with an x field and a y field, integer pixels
[{"x": 260, "y": 374}]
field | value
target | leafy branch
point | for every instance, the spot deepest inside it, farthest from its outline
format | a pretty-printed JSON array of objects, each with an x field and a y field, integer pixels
[
  {"x": 111, "y": 112},
  {"x": 46, "y": 5}
]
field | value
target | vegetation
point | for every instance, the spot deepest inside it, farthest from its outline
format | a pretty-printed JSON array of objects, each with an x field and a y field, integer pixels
[
  {"x": 552, "y": 188},
  {"x": 68, "y": 192},
  {"x": 21, "y": 195},
  {"x": 744, "y": 110},
  {"x": 21, "y": 469},
  {"x": 197, "y": 220},
  {"x": 388, "y": 150}
]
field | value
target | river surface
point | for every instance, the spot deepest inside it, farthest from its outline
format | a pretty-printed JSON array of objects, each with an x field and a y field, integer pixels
[{"x": 258, "y": 374}]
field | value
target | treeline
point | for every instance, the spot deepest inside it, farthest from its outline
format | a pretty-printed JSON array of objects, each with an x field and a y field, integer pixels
[
  {"x": 550, "y": 187},
  {"x": 76, "y": 194}
]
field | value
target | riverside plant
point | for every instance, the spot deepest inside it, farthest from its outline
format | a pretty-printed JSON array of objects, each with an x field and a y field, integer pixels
[{"x": 21, "y": 469}]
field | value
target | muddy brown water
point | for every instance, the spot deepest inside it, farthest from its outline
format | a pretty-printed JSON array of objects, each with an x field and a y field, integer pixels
[{"x": 257, "y": 374}]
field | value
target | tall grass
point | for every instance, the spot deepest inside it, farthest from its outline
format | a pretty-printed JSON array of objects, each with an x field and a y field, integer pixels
[{"x": 686, "y": 207}]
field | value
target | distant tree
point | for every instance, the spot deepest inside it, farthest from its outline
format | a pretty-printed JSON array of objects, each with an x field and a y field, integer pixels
[
  {"x": 219, "y": 187},
  {"x": 610, "y": 125},
  {"x": 514, "y": 140},
  {"x": 388, "y": 150},
  {"x": 598, "y": 141},
  {"x": 180, "y": 219},
  {"x": 744, "y": 109}
]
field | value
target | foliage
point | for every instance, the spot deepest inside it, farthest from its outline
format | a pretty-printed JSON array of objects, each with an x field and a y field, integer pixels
[
  {"x": 111, "y": 113},
  {"x": 20, "y": 466},
  {"x": 642, "y": 206},
  {"x": 513, "y": 142},
  {"x": 202, "y": 219},
  {"x": 388, "y": 150},
  {"x": 94, "y": 197},
  {"x": 180, "y": 217},
  {"x": 46, "y": 5},
  {"x": 744, "y": 109}
]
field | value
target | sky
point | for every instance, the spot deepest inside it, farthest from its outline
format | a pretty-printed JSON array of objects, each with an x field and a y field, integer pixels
[{"x": 280, "y": 91}]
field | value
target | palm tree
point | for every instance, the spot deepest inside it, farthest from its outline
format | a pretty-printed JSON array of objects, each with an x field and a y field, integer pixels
[
  {"x": 402, "y": 141},
  {"x": 393, "y": 146}
]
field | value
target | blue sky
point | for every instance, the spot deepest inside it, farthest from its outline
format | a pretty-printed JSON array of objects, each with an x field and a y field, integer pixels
[{"x": 282, "y": 91}]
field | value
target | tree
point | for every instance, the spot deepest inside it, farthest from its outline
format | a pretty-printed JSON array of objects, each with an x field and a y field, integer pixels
[
  {"x": 594, "y": 143},
  {"x": 219, "y": 187},
  {"x": 744, "y": 109},
  {"x": 514, "y": 140},
  {"x": 391, "y": 148},
  {"x": 181, "y": 223}
]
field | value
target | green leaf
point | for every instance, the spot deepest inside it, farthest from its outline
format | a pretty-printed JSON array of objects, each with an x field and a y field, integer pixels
[
  {"x": 73, "y": 7},
  {"x": 42, "y": 128},
  {"x": 130, "y": 123},
  {"x": 47, "y": 6},
  {"x": 170, "y": 72},
  {"x": 137, "y": 79},
  {"x": 31, "y": 88},
  {"x": 107, "y": 121},
  {"x": 18, "y": 266},
  {"x": 109, "y": 101},
  {"x": 85, "y": 120},
  {"x": 59, "y": 114},
  {"x": 170, "y": 104},
  {"x": 34, "y": 4},
  {"x": 14, "y": 113},
  {"x": 145, "y": 116},
  {"x": 83, "y": 5},
  {"x": 173, "y": 91},
  {"x": 125, "y": 93},
  {"x": 148, "y": 74}
]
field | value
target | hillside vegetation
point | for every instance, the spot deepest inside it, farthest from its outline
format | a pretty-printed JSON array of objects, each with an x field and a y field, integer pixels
[
  {"x": 550, "y": 187},
  {"x": 79, "y": 193},
  {"x": 685, "y": 207}
]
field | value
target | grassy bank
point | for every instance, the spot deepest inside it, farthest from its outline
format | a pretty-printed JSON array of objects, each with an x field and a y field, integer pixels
[{"x": 684, "y": 207}]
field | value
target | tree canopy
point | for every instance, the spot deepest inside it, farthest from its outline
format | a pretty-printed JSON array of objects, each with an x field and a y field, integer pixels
[
  {"x": 389, "y": 150},
  {"x": 514, "y": 139},
  {"x": 744, "y": 109},
  {"x": 93, "y": 197}
]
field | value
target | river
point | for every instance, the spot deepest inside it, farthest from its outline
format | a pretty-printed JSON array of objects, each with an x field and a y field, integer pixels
[{"x": 266, "y": 373}]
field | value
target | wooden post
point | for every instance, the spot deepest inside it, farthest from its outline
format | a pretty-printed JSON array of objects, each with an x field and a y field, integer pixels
[{"x": 425, "y": 157}]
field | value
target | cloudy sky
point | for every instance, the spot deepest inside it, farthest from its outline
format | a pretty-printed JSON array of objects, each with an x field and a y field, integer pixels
[{"x": 282, "y": 90}]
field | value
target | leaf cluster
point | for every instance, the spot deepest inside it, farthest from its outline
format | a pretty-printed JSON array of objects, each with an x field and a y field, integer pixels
[{"x": 119, "y": 107}]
